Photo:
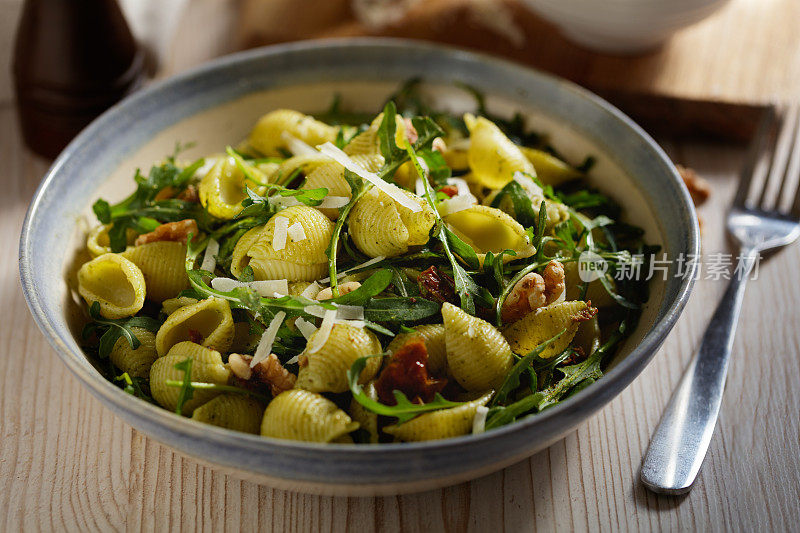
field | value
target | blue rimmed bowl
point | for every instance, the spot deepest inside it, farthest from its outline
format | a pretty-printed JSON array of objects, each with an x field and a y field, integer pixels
[{"x": 216, "y": 104}]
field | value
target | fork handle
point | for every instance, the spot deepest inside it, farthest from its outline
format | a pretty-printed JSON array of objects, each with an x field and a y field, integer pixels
[{"x": 681, "y": 439}]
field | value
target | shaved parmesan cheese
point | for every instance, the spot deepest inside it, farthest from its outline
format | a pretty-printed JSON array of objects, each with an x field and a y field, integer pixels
[
  {"x": 322, "y": 334},
  {"x": 311, "y": 291},
  {"x": 208, "y": 164},
  {"x": 272, "y": 287},
  {"x": 281, "y": 232},
  {"x": 479, "y": 422},
  {"x": 296, "y": 232},
  {"x": 268, "y": 339},
  {"x": 305, "y": 327},
  {"x": 357, "y": 267},
  {"x": 349, "y": 312},
  {"x": 333, "y": 202},
  {"x": 295, "y": 145},
  {"x": 267, "y": 288},
  {"x": 419, "y": 188},
  {"x": 210, "y": 257},
  {"x": 394, "y": 192},
  {"x": 455, "y": 204},
  {"x": 293, "y": 360},
  {"x": 351, "y": 323}
]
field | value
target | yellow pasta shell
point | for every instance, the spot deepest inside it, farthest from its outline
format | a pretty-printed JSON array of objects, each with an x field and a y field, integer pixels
[
  {"x": 115, "y": 283},
  {"x": 231, "y": 411},
  {"x": 442, "y": 424},
  {"x": 326, "y": 369},
  {"x": 306, "y": 416},
  {"x": 478, "y": 356},
  {"x": 542, "y": 324},
  {"x": 379, "y": 225},
  {"x": 492, "y": 157},
  {"x": 366, "y": 418},
  {"x": 366, "y": 142},
  {"x": 207, "y": 367},
  {"x": 163, "y": 265},
  {"x": 266, "y": 135},
  {"x": 433, "y": 337},
  {"x": 304, "y": 260},
  {"x": 135, "y": 362},
  {"x": 330, "y": 175},
  {"x": 550, "y": 169},
  {"x": 487, "y": 229},
  {"x": 98, "y": 242},
  {"x": 210, "y": 318},
  {"x": 595, "y": 292},
  {"x": 171, "y": 305},
  {"x": 223, "y": 189}
]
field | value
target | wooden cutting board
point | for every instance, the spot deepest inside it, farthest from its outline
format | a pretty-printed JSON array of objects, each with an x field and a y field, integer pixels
[{"x": 712, "y": 78}]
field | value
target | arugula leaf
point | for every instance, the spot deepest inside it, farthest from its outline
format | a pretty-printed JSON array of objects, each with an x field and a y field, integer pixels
[
  {"x": 187, "y": 389},
  {"x": 116, "y": 328},
  {"x": 574, "y": 375},
  {"x": 541, "y": 226},
  {"x": 358, "y": 187},
  {"x": 398, "y": 309},
  {"x": 372, "y": 286},
  {"x": 523, "y": 207},
  {"x": 404, "y": 410},
  {"x": 511, "y": 381},
  {"x": 199, "y": 385},
  {"x": 465, "y": 286},
  {"x": 133, "y": 386}
]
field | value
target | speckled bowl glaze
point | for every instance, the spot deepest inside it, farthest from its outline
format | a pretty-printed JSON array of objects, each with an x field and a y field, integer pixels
[{"x": 215, "y": 105}]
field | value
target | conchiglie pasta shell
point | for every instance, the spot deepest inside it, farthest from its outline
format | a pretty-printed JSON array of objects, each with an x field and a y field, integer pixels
[
  {"x": 366, "y": 418},
  {"x": 231, "y": 411},
  {"x": 207, "y": 367},
  {"x": 222, "y": 189},
  {"x": 442, "y": 424},
  {"x": 115, "y": 283},
  {"x": 304, "y": 260},
  {"x": 171, "y": 305},
  {"x": 433, "y": 337},
  {"x": 305, "y": 416},
  {"x": 98, "y": 242},
  {"x": 379, "y": 225},
  {"x": 366, "y": 142},
  {"x": 266, "y": 135},
  {"x": 492, "y": 157},
  {"x": 163, "y": 265},
  {"x": 487, "y": 229},
  {"x": 210, "y": 318},
  {"x": 330, "y": 175},
  {"x": 550, "y": 169},
  {"x": 326, "y": 369},
  {"x": 478, "y": 356},
  {"x": 135, "y": 362},
  {"x": 542, "y": 324}
]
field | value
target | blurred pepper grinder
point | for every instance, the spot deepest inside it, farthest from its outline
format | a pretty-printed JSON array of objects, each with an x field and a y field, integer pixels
[{"x": 73, "y": 59}]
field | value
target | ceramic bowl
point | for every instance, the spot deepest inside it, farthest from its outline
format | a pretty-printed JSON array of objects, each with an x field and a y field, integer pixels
[
  {"x": 215, "y": 105},
  {"x": 623, "y": 26}
]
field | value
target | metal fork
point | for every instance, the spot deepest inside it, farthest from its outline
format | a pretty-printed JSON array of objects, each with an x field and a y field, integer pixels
[{"x": 758, "y": 221}]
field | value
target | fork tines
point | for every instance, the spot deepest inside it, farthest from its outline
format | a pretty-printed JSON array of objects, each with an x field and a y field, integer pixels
[{"x": 770, "y": 179}]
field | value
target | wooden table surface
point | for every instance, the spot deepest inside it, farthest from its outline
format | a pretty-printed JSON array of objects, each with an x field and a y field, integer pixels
[{"x": 67, "y": 463}]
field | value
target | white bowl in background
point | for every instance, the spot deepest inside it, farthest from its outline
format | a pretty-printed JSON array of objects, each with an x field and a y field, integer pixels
[{"x": 622, "y": 26}]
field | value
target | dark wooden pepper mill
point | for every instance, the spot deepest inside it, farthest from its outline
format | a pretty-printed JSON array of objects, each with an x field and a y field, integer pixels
[{"x": 73, "y": 59}]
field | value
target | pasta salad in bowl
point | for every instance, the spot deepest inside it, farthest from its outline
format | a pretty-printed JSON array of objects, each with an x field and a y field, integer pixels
[
  {"x": 402, "y": 290},
  {"x": 409, "y": 278}
]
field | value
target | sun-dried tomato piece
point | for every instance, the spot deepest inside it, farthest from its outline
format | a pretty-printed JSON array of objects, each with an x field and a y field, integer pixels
[
  {"x": 195, "y": 336},
  {"x": 449, "y": 190},
  {"x": 171, "y": 231},
  {"x": 437, "y": 286},
  {"x": 407, "y": 372}
]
